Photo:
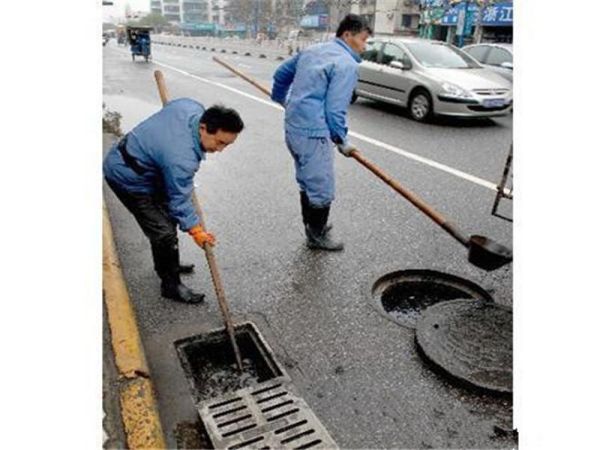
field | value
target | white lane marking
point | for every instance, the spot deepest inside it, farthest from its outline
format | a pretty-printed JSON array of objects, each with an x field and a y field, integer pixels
[
  {"x": 429, "y": 162},
  {"x": 215, "y": 83}
]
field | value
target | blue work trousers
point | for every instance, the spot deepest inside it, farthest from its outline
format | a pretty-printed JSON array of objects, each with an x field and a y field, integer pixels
[{"x": 313, "y": 158}]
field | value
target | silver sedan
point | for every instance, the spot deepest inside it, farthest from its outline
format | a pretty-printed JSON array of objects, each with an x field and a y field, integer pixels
[{"x": 431, "y": 77}]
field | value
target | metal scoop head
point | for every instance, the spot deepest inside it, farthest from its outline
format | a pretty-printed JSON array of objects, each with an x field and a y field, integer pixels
[{"x": 488, "y": 254}]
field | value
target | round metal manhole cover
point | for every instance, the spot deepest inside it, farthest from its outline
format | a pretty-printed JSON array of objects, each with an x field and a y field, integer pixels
[
  {"x": 470, "y": 341},
  {"x": 402, "y": 296}
]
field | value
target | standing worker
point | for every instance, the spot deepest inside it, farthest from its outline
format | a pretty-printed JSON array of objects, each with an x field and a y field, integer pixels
[
  {"x": 321, "y": 80},
  {"x": 151, "y": 170}
]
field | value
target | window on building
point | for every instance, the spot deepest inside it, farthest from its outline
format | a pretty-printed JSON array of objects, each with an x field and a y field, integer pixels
[
  {"x": 498, "y": 56},
  {"x": 372, "y": 50},
  {"x": 391, "y": 53},
  {"x": 406, "y": 20}
]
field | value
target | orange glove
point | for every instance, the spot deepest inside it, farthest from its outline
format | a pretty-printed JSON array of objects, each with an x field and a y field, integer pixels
[{"x": 201, "y": 237}]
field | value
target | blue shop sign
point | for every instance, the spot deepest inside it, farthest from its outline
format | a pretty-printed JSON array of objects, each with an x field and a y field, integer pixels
[
  {"x": 499, "y": 14},
  {"x": 451, "y": 16}
]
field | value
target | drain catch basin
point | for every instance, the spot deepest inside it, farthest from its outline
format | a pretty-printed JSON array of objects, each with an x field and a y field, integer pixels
[
  {"x": 257, "y": 409},
  {"x": 403, "y": 296},
  {"x": 209, "y": 362}
]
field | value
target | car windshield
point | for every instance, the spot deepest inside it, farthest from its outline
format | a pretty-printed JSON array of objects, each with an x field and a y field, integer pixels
[{"x": 440, "y": 56}]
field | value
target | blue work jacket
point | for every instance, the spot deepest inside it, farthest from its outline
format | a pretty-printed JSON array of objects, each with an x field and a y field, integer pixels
[
  {"x": 320, "y": 81},
  {"x": 167, "y": 146}
]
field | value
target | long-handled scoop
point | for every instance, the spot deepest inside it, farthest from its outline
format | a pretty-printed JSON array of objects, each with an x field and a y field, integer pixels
[
  {"x": 483, "y": 252},
  {"x": 210, "y": 257}
]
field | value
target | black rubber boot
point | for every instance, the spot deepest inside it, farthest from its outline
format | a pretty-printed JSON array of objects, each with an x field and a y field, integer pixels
[
  {"x": 307, "y": 212},
  {"x": 166, "y": 263},
  {"x": 176, "y": 290},
  {"x": 317, "y": 236},
  {"x": 186, "y": 269}
]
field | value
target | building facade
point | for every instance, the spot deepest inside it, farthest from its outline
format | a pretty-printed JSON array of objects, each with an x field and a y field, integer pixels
[
  {"x": 191, "y": 11},
  {"x": 397, "y": 17},
  {"x": 387, "y": 17},
  {"x": 462, "y": 22}
]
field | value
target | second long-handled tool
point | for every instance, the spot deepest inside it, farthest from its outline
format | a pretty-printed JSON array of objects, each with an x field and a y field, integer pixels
[
  {"x": 210, "y": 257},
  {"x": 484, "y": 252}
]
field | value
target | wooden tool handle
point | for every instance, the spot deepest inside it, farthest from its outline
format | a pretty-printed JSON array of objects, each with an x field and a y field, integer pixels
[
  {"x": 210, "y": 257},
  {"x": 412, "y": 197},
  {"x": 254, "y": 83},
  {"x": 162, "y": 87}
]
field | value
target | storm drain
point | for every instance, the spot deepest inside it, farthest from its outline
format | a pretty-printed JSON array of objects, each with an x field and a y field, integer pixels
[
  {"x": 402, "y": 296},
  {"x": 258, "y": 409},
  {"x": 269, "y": 416}
]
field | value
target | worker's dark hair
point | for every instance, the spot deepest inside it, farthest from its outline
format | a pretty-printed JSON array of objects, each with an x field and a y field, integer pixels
[
  {"x": 218, "y": 117},
  {"x": 354, "y": 24}
]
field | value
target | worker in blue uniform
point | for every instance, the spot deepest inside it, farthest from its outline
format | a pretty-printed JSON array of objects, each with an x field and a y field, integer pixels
[
  {"x": 315, "y": 87},
  {"x": 151, "y": 170}
]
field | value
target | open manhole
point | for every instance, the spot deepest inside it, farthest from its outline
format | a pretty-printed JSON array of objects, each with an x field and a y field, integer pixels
[
  {"x": 209, "y": 362},
  {"x": 470, "y": 341},
  {"x": 404, "y": 295},
  {"x": 257, "y": 409}
]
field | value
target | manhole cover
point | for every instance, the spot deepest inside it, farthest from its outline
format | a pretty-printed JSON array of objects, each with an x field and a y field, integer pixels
[
  {"x": 405, "y": 294},
  {"x": 470, "y": 341}
]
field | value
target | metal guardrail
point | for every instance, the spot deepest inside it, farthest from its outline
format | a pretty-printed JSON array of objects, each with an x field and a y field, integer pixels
[{"x": 272, "y": 49}]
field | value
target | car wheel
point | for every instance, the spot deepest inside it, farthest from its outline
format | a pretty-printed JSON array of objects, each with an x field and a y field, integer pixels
[
  {"x": 354, "y": 97},
  {"x": 420, "y": 105}
]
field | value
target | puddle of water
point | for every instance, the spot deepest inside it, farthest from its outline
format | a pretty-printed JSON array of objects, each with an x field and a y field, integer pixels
[{"x": 132, "y": 110}]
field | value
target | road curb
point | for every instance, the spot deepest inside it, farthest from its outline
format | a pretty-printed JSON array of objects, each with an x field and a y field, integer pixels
[{"x": 139, "y": 409}]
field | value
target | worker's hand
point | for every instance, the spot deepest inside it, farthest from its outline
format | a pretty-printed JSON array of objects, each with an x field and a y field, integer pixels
[
  {"x": 346, "y": 149},
  {"x": 201, "y": 237}
]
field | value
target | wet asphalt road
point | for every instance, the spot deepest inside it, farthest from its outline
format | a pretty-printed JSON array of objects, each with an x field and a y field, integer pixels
[{"x": 358, "y": 371}]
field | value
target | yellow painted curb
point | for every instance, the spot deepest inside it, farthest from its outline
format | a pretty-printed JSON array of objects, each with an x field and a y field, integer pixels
[
  {"x": 140, "y": 417},
  {"x": 129, "y": 354},
  {"x": 138, "y": 404}
]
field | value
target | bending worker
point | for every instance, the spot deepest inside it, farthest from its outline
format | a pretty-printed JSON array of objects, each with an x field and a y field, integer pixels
[
  {"x": 320, "y": 81},
  {"x": 151, "y": 170}
]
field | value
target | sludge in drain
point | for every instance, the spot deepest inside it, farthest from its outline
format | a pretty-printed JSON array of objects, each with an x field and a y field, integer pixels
[
  {"x": 404, "y": 295},
  {"x": 209, "y": 363}
]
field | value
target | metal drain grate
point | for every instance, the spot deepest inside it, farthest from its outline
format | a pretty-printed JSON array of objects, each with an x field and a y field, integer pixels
[{"x": 267, "y": 416}]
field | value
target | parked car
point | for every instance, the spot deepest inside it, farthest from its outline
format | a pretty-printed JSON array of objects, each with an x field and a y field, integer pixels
[
  {"x": 497, "y": 57},
  {"x": 430, "y": 77}
]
